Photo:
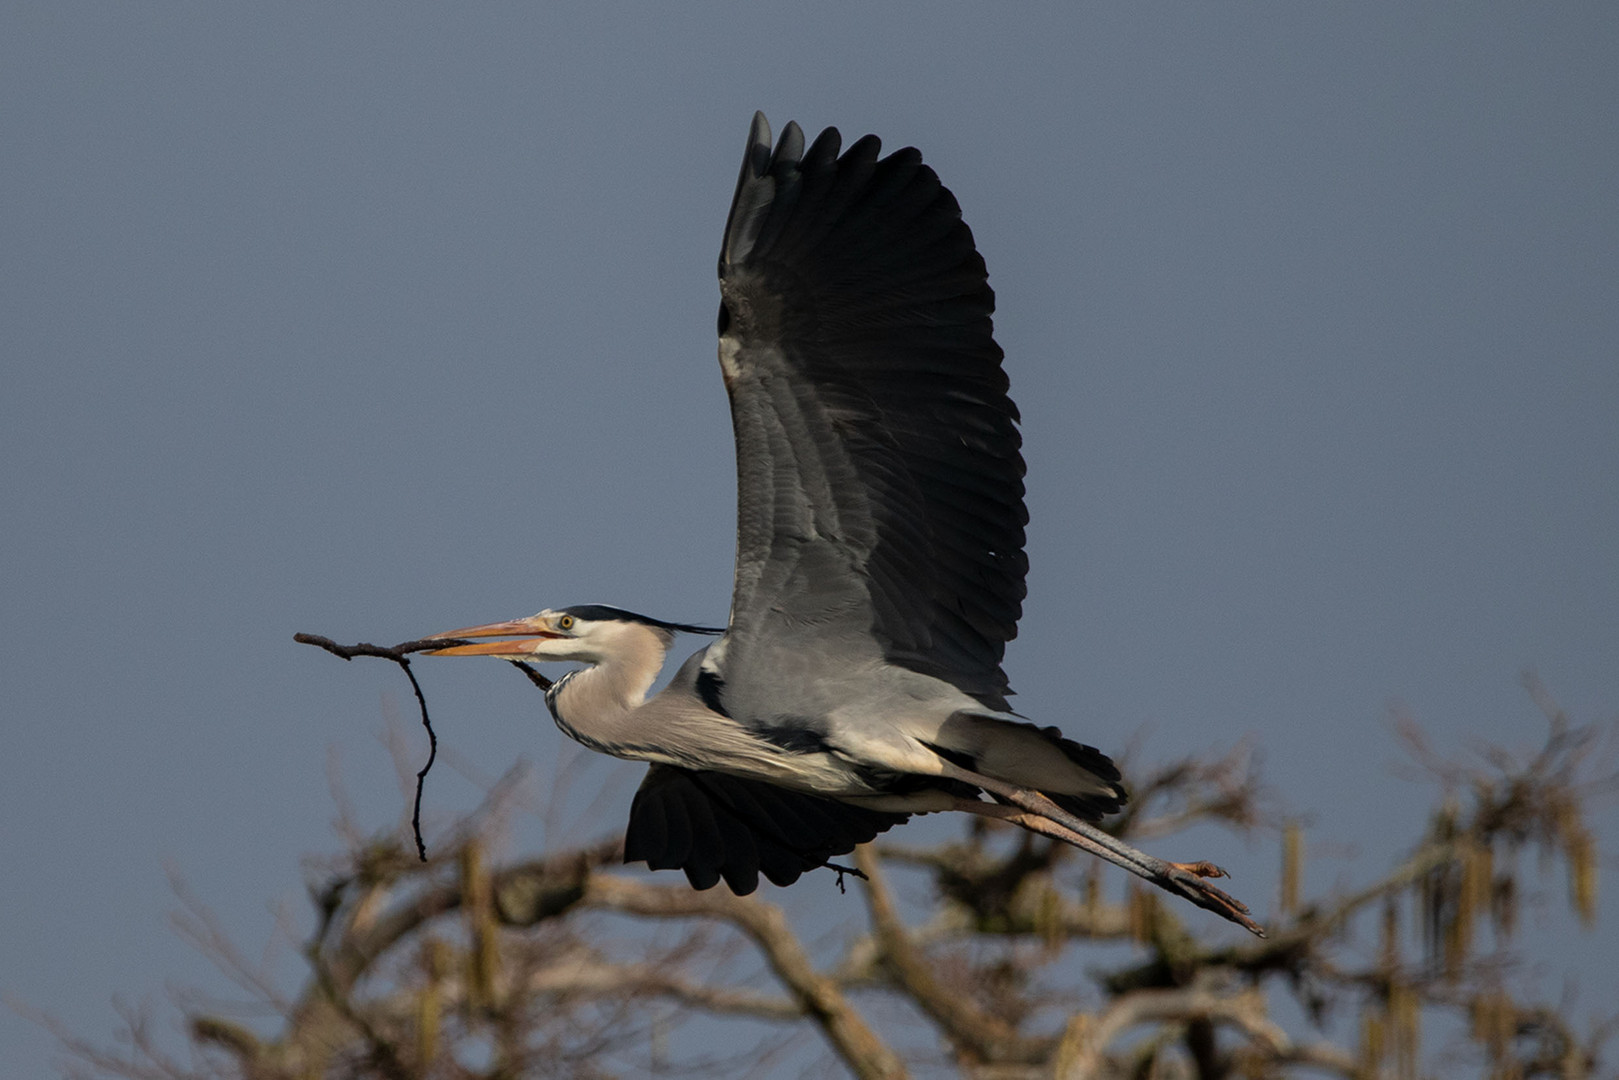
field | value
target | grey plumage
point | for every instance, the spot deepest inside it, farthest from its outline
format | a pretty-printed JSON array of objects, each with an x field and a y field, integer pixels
[
  {"x": 858, "y": 353},
  {"x": 880, "y": 567}
]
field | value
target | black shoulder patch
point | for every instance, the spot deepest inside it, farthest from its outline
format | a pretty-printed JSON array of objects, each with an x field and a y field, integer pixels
[
  {"x": 796, "y": 736},
  {"x": 709, "y": 685}
]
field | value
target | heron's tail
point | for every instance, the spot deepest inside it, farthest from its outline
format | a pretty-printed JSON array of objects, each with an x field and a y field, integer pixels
[{"x": 1079, "y": 778}]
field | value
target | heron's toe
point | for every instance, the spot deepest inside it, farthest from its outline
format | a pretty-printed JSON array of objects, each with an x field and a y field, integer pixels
[
  {"x": 1188, "y": 880},
  {"x": 1201, "y": 869}
]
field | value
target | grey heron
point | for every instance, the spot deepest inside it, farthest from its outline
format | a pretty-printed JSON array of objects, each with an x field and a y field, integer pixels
[{"x": 879, "y": 565}]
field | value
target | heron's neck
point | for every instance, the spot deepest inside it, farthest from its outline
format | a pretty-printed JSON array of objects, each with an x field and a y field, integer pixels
[{"x": 596, "y": 705}]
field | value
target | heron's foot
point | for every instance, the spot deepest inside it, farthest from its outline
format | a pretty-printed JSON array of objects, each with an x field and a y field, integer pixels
[
  {"x": 1200, "y": 869},
  {"x": 1187, "y": 879}
]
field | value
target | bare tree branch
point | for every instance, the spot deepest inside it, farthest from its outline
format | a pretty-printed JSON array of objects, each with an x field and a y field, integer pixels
[
  {"x": 1082, "y": 1052},
  {"x": 556, "y": 966},
  {"x": 860, "y": 1048},
  {"x": 977, "y": 1036}
]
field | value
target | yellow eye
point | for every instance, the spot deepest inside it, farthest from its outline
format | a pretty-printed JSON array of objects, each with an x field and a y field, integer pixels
[{"x": 566, "y": 622}]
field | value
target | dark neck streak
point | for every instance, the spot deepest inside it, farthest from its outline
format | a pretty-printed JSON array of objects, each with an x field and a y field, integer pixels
[{"x": 552, "y": 702}]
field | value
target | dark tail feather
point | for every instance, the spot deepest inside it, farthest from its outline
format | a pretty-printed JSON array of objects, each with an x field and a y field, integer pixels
[{"x": 1088, "y": 807}]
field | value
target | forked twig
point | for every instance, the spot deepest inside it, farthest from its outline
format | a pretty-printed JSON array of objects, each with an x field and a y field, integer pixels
[{"x": 400, "y": 654}]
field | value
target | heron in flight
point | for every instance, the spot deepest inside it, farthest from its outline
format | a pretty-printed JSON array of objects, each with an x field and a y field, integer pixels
[{"x": 879, "y": 565}]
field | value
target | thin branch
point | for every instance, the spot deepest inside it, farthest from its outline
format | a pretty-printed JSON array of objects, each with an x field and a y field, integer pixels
[
  {"x": 866, "y": 1055},
  {"x": 398, "y": 654},
  {"x": 1083, "y": 1050},
  {"x": 383, "y": 1053},
  {"x": 988, "y": 899},
  {"x": 199, "y": 925},
  {"x": 385, "y": 652},
  {"x": 600, "y": 979},
  {"x": 138, "y": 1058},
  {"x": 977, "y": 1036},
  {"x": 524, "y": 895}
]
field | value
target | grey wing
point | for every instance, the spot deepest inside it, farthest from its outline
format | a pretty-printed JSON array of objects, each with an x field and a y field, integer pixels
[{"x": 880, "y": 483}]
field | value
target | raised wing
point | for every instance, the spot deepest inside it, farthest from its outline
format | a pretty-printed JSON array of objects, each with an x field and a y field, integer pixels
[{"x": 880, "y": 484}]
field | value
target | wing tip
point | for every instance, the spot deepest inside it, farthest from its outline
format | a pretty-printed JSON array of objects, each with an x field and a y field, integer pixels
[
  {"x": 791, "y": 146},
  {"x": 756, "y": 158}
]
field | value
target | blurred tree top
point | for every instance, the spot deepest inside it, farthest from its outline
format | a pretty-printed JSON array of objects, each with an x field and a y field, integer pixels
[{"x": 1007, "y": 959}]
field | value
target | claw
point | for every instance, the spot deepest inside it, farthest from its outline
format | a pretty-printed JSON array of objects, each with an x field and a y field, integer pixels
[
  {"x": 1202, "y": 870},
  {"x": 1192, "y": 886}
]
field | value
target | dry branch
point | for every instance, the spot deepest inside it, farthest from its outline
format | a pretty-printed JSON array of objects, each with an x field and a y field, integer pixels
[
  {"x": 400, "y": 654},
  {"x": 767, "y": 927},
  {"x": 548, "y": 966}
]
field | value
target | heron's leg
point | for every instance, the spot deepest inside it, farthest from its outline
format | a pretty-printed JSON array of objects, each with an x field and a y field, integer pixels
[
  {"x": 1033, "y": 811},
  {"x": 1034, "y": 823}
]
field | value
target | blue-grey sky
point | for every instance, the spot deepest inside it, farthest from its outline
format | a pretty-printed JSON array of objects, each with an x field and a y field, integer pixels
[{"x": 375, "y": 320}]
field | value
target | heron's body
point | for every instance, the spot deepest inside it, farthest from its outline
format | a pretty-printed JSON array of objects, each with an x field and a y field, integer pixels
[
  {"x": 880, "y": 567},
  {"x": 823, "y": 744}
]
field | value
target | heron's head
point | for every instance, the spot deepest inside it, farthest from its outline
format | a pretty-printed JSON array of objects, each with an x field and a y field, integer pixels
[{"x": 592, "y": 633}]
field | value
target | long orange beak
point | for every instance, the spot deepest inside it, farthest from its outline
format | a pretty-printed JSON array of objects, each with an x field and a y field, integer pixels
[{"x": 521, "y": 628}]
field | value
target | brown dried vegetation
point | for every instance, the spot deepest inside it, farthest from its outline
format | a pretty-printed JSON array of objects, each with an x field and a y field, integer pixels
[{"x": 976, "y": 957}]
